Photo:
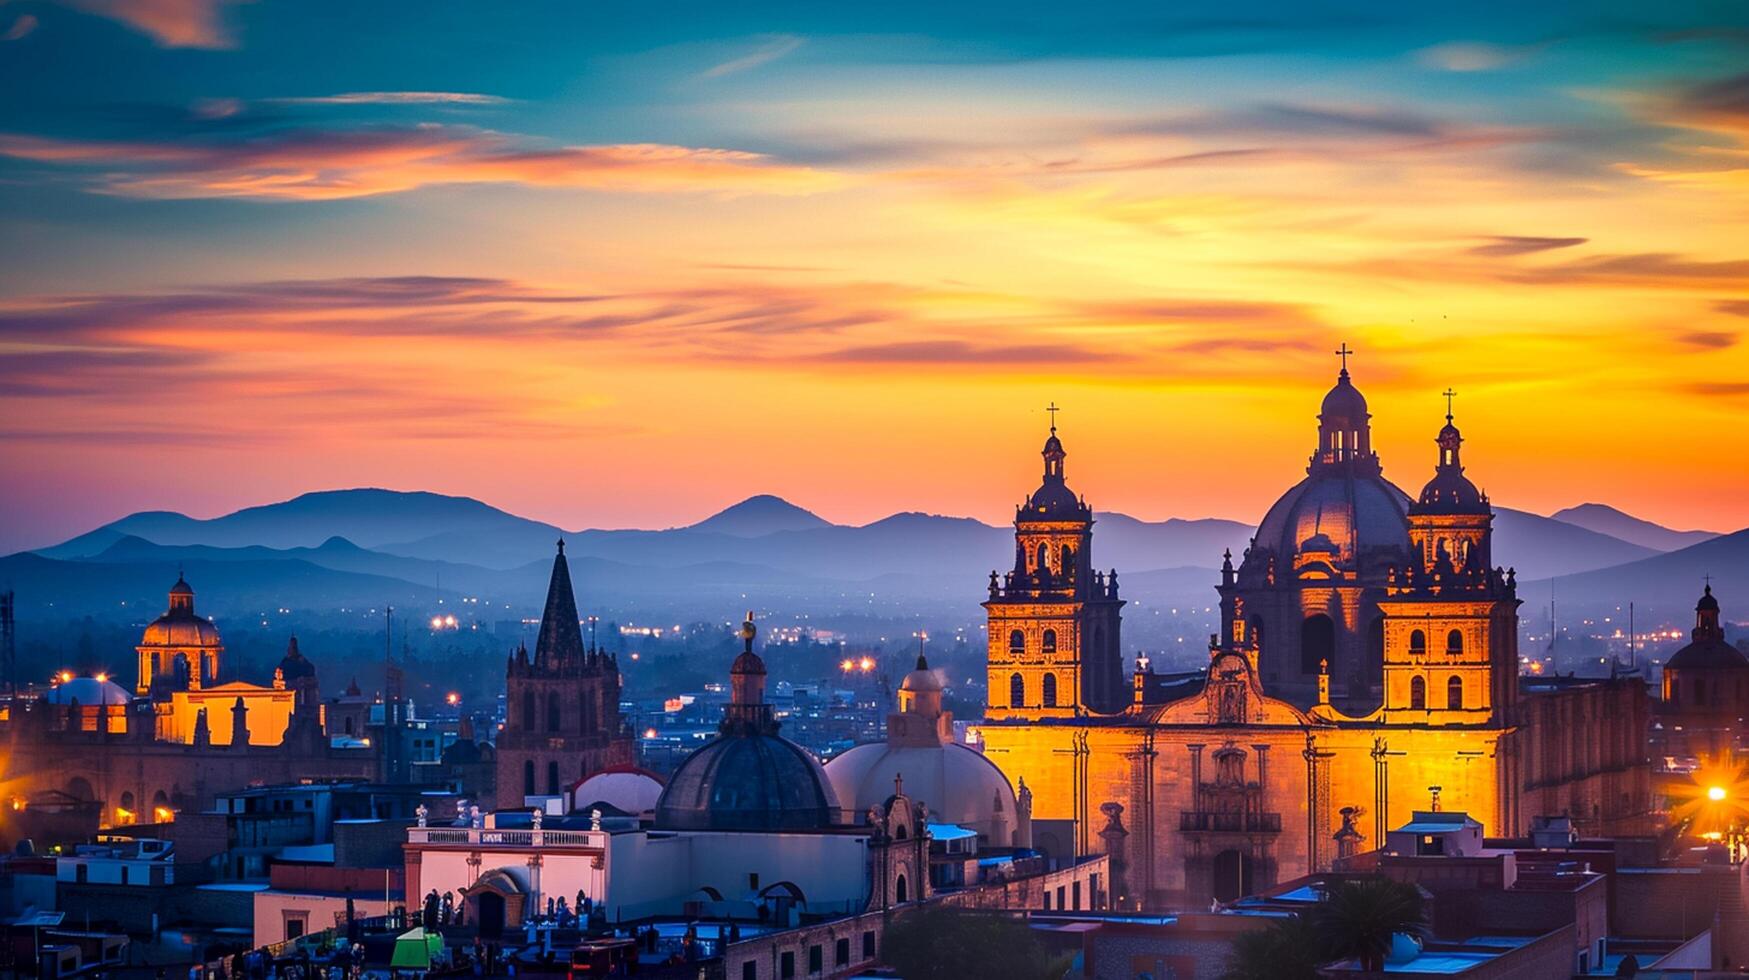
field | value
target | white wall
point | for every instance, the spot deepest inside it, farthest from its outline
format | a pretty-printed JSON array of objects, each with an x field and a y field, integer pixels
[{"x": 320, "y": 912}]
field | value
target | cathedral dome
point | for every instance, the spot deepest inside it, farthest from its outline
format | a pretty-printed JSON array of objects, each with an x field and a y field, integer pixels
[
  {"x": 627, "y": 789},
  {"x": 1344, "y": 402},
  {"x": 294, "y": 665},
  {"x": 1450, "y": 492},
  {"x": 958, "y": 784},
  {"x": 1708, "y": 648},
  {"x": 88, "y": 691},
  {"x": 179, "y": 626},
  {"x": 751, "y": 782},
  {"x": 1053, "y": 500},
  {"x": 1344, "y": 513},
  {"x": 921, "y": 679}
]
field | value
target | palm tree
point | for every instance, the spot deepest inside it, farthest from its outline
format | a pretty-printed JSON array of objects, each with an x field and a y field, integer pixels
[
  {"x": 1358, "y": 918},
  {"x": 1283, "y": 950}
]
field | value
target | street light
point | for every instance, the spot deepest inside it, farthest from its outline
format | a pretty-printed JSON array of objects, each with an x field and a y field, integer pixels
[{"x": 1715, "y": 793}]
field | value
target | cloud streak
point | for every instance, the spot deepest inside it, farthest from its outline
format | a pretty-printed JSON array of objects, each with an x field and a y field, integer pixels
[
  {"x": 768, "y": 52},
  {"x": 334, "y": 164}
]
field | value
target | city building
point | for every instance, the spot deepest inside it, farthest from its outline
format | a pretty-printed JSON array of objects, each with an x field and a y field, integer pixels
[
  {"x": 90, "y": 749},
  {"x": 1705, "y": 692},
  {"x": 1367, "y": 663},
  {"x": 562, "y": 718}
]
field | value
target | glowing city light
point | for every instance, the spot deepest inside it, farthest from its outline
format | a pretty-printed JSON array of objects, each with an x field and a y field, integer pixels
[
  {"x": 102, "y": 678},
  {"x": 163, "y": 814},
  {"x": 847, "y": 665},
  {"x": 866, "y": 664},
  {"x": 1715, "y": 793},
  {"x": 66, "y": 675},
  {"x": 649, "y": 733},
  {"x": 453, "y": 699}
]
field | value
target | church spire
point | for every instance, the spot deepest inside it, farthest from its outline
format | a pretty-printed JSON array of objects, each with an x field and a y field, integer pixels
[
  {"x": 1706, "y": 616},
  {"x": 1053, "y": 451},
  {"x": 1344, "y": 429},
  {"x": 561, "y": 638}
]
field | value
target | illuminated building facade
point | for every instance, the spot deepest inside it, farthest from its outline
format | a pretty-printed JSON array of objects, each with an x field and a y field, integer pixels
[
  {"x": 562, "y": 721},
  {"x": 137, "y": 759},
  {"x": 1054, "y": 619},
  {"x": 1221, "y": 786},
  {"x": 1706, "y": 691}
]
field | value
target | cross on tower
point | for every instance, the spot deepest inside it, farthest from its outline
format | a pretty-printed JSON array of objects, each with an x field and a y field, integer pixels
[
  {"x": 1343, "y": 353},
  {"x": 1449, "y": 395},
  {"x": 1708, "y": 579},
  {"x": 1053, "y": 409}
]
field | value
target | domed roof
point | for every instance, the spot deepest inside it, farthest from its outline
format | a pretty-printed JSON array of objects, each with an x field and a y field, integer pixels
[
  {"x": 88, "y": 691},
  {"x": 958, "y": 784},
  {"x": 1053, "y": 499},
  {"x": 625, "y": 788},
  {"x": 1354, "y": 512},
  {"x": 180, "y": 626},
  {"x": 1344, "y": 401},
  {"x": 748, "y": 781},
  {"x": 1450, "y": 492},
  {"x": 921, "y": 679},
  {"x": 1707, "y": 652},
  {"x": 173, "y": 630},
  {"x": 294, "y": 665},
  {"x": 1708, "y": 648}
]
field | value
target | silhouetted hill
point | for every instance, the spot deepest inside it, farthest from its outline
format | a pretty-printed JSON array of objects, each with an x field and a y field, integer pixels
[
  {"x": 369, "y": 517},
  {"x": 1540, "y": 547},
  {"x": 228, "y": 588},
  {"x": 1605, "y": 519},
  {"x": 471, "y": 548},
  {"x": 1663, "y": 586},
  {"x": 758, "y": 516}
]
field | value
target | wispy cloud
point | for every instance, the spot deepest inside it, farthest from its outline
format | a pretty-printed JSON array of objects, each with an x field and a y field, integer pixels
[
  {"x": 1467, "y": 56},
  {"x": 20, "y": 28},
  {"x": 1710, "y": 339},
  {"x": 171, "y": 23},
  {"x": 331, "y": 164},
  {"x": 1523, "y": 245},
  {"x": 771, "y": 50},
  {"x": 393, "y": 98}
]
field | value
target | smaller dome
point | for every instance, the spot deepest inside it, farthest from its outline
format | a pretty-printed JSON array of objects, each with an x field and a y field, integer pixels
[
  {"x": 1344, "y": 401},
  {"x": 1708, "y": 652},
  {"x": 960, "y": 785},
  {"x": 295, "y": 666},
  {"x": 180, "y": 631},
  {"x": 88, "y": 691},
  {"x": 627, "y": 789},
  {"x": 748, "y": 782},
  {"x": 181, "y": 587},
  {"x": 1707, "y": 603},
  {"x": 921, "y": 679}
]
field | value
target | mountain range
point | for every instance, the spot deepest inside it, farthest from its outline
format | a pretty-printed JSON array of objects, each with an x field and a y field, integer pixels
[{"x": 363, "y": 547}]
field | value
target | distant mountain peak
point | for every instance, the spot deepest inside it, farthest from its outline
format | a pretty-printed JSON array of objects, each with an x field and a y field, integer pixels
[
  {"x": 759, "y": 515},
  {"x": 1616, "y": 523}
]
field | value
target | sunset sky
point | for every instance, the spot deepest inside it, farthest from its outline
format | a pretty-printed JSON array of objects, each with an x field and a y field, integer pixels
[{"x": 623, "y": 264}]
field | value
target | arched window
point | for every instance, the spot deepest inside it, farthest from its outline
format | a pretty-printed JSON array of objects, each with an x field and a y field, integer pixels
[
  {"x": 552, "y": 779},
  {"x": 1050, "y": 691},
  {"x": 1017, "y": 642},
  {"x": 528, "y": 778},
  {"x": 1454, "y": 642},
  {"x": 1068, "y": 564},
  {"x": 1044, "y": 558},
  {"x": 528, "y": 712},
  {"x": 1049, "y": 644},
  {"x": 900, "y": 891},
  {"x": 552, "y": 711},
  {"x": 1417, "y": 642},
  {"x": 1016, "y": 691},
  {"x": 1454, "y": 693},
  {"x": 1417, "y": 694},
  {"x": 1317, "y": 643}
]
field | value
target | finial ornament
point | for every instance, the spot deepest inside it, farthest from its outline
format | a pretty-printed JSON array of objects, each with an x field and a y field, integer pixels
[
  {"x": 1449, "y": 395},
  {"x": 1343, "y": 353},
  {"x": 1053, "y": 409}
]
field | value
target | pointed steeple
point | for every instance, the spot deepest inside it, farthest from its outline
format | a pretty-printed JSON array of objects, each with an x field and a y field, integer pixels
[{"x": 561, "y": 636}]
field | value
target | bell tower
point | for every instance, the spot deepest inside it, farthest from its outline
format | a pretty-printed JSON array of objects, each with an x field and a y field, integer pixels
[
  {"x": 1451, "y": 620},
  {"x": 1054, "y": 644}
]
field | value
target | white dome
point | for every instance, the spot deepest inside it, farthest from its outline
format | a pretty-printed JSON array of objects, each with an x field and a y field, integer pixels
[
  {"x": 958, "y": 784},
  {"x": 626, "y": 788},
  {"x": 88, "y": 691}
]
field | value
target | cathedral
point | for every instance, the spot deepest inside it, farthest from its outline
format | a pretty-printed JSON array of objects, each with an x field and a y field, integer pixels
[
  {"x": 561, "y": 707},
  {"x": 104, "y": 756},
  {"x": 1366, "y": 667}
]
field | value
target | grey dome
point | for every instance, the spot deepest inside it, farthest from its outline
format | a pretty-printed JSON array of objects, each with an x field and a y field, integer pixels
[
  {"x": 1358, "y": 513},
  {"x": 748, "y": 782},
  {"x": 1344, "y": 402}
]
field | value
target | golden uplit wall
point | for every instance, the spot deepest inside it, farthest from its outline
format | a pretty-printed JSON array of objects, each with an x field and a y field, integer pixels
[{"x": 270, "y": 711}]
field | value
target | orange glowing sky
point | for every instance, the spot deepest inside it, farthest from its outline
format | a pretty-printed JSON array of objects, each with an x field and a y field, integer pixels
[{"x": 622, "y": 271}]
